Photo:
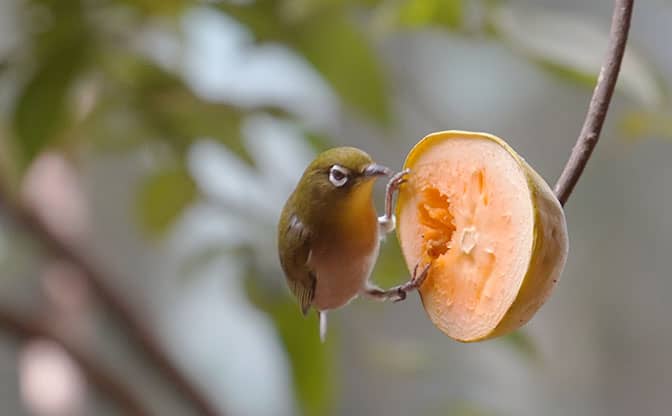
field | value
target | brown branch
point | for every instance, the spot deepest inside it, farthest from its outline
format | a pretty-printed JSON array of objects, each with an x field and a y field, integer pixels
[
  {"x": 137, "y": 329},
  {"x": 95, "y": 373},
  {"x": 599, "y": 103}
]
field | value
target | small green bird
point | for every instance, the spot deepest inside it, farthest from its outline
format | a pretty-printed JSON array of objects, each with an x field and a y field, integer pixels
[{"x": 329, "y": 233}]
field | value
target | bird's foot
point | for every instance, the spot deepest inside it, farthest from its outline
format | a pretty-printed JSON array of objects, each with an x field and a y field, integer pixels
[
  {"x": 387, "y": 222},
  {"x": 397, "y": 179},
  {"x": 399, "y": 293}
]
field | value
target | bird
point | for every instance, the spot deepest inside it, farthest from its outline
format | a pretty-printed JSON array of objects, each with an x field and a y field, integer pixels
[{"x": 329, "y": 233}]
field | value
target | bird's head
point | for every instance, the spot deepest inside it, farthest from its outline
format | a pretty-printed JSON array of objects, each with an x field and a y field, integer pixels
[{"x": 338, "y": 179}]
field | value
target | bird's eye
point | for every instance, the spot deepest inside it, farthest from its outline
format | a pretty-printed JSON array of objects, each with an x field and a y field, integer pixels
[{"x": 338, "y": 176}]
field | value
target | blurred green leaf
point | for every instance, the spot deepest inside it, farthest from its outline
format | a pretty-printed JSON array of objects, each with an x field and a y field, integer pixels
[
  {"x": 157, "y": 8},
  {"x": 468, "y": 409},
  {"x": 41, "y": 111},
  {"x": 568, "y": 73},
  {"x": 262, "y": 17},
  {"x": 312, "y": 362},
  {"x": 331, "y": 42},
  {"x": 647, "y": 124},
  {"x": 164, "y": 107},
  {"x": 418, "y": 13},
  {"x": 390, "y": 268},
  {"x": 178, "y": 114},
  {"x": 175, "y": 111},
  {"x": 114, "y": 126},
  {"x": 163, "y": 198},
  {"x": 317, "y": 141},
  {"x": 341, "y": 53},
  {"x": 574, "y": 46},
  {"x": 522, "y": 343},
  {"x": 8, "y": 160}
]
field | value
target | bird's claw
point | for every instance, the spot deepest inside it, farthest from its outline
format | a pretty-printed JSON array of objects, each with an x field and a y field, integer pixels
[
  {"x": 398, "y": 178},
  {"x": 401, "y": 295},
  {"x": 387, "y": 221},
  {"x": 401, "y": 292}
]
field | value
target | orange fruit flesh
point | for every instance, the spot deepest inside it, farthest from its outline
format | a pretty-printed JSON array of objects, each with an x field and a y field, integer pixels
[{"x": 466, "y": 208}]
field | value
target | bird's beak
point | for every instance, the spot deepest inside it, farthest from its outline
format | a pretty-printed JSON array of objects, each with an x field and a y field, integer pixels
[{"x": 375, "y": 169}]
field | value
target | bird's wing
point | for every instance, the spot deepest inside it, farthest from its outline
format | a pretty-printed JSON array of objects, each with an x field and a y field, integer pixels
[{"x": 294, "y": 256}]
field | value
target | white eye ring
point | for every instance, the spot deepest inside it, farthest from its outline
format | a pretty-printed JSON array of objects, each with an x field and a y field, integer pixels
[{"x": 338, "y": 176}]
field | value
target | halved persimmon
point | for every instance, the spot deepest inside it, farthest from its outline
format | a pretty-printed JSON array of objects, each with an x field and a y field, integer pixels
[{"x": 489, "y": 225}]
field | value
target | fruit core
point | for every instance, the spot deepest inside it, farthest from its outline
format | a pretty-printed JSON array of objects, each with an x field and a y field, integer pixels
[
  {"x": 439, "y": 223},
  {"x": 437, "y": 217}
]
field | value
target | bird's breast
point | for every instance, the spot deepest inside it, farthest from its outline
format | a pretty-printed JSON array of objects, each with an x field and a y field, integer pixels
[{"x": 344, "y": 260}]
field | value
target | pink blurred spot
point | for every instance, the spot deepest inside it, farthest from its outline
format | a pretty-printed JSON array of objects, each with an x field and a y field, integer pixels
[
  {"x": 52, "y": 189},
  {"x": 50, "y": 381}
]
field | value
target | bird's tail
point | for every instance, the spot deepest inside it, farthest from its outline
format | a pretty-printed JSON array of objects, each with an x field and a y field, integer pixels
[{"x": 323, "y": 325}]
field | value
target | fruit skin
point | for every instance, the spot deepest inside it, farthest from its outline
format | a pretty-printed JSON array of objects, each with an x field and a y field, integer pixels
[{"x": 550, "y": 240}]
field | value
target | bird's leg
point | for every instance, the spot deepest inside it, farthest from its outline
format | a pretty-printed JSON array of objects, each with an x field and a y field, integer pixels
[
  {"x": 323, "y": 325},
  {"x": 398, "y": 293},
  {"x": 387, "y": 222}
]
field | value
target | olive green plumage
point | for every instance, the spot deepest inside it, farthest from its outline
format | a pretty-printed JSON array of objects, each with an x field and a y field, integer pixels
[{"x": 330, "y": 201}]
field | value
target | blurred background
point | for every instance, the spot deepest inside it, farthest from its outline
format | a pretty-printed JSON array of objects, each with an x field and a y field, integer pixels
[{"x": 159, "y": 140}]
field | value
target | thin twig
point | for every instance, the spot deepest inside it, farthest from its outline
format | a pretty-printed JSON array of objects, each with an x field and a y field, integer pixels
[
  {"x": 599, "y": 103},
  {"x": 137, "y": 329},
  {"x": 105, "y": 382}
]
